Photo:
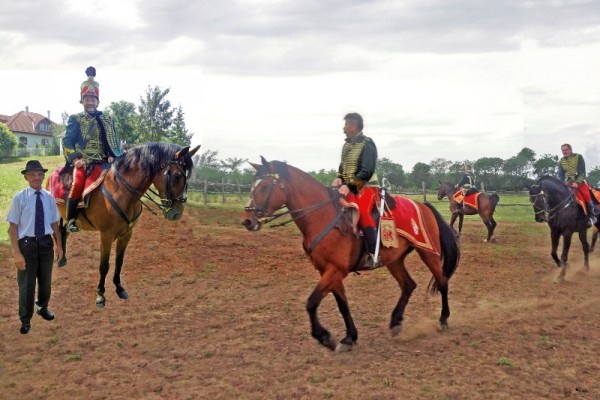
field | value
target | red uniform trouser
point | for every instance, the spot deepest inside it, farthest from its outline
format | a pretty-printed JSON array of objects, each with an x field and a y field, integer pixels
[
  {"x": 583, "y": 192},
  {"x": 365, "y": 199},
  {"x": 78, "y": 183}
]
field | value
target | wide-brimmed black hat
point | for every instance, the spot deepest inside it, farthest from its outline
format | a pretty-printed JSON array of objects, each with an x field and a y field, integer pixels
[{"x": 33, "y": 165}]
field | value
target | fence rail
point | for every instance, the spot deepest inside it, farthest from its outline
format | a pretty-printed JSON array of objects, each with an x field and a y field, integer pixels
[{"x": 220, "y": 191}]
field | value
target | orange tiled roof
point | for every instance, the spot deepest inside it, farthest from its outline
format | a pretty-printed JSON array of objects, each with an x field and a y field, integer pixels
[{"x": 26, "y": 122}]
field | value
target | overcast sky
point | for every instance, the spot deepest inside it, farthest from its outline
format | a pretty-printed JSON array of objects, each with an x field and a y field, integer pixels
[{"x": 454, "y": 79}]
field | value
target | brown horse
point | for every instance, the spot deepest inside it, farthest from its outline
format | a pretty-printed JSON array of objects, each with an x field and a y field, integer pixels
[
  {"x": 115, "y": 206},
  {"x": 335, "y": 250},
  {"x": 486, "y": 203}
]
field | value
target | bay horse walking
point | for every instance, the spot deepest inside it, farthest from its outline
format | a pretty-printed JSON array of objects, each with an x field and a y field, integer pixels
[
  {"x": 335, "y": 250},
  {"x": 554, "y": 203},
  {"x": 115, "y": 206},
  {"x": 486, "y": 204}
]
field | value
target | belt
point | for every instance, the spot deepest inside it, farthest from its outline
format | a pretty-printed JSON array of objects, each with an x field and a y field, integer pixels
[{"x": 33, "y": 238}]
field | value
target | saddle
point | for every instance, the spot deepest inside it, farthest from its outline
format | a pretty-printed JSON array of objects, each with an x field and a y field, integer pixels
[
  {"x": 402, "y": 216},
  {"x": 60, "y": 181}
]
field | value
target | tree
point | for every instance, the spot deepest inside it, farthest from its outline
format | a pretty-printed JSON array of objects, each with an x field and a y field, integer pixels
[
  {"x": 156, "y": 115},
  {"x": 8, "y": 140},
  {"x": 178, "y": 132},
  {"x": 593, "y": 178},
  {"x": 546, "y": 165},
  {"x": 487, "y": 170},
  {"x": 420, "y": 173},
  {"x": 391, "y": 171},
  {"x": 126, "y": 121}
]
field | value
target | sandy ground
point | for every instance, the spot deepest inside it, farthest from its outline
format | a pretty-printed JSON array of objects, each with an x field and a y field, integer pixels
[{"x": 216, "y": 312}]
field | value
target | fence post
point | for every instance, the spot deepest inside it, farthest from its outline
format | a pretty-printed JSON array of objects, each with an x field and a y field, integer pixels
[
  {"x": 223, "y": 190},
  {"x": 239, "y": 187},
  {"x": 205, "y": 192},
  {"x": 424, "y": 191},
  {"x": 482, "y": 187}
]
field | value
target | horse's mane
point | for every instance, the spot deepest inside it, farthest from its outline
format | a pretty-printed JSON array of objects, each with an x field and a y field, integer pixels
[
  {"x": 553, "y": 182},
  {"x": 148, "y": 157}
]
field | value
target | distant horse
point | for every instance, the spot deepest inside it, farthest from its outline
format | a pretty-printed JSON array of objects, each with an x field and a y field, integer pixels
[
  {"x": 486, "y": 204},
  {"x": 115, "y": 206},
  {"x": 554, "y": 203},
  {"x": 335, "y": 250}
]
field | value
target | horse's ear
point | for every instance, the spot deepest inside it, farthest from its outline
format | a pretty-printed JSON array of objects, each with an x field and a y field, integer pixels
[
  {"x": 264, "y": 161},
  {"x": 194, "y": 150},
  {"x": 182, "y": 152},
  {"x": 256, "y": 166},
  {"x": 440, "y": 182}
]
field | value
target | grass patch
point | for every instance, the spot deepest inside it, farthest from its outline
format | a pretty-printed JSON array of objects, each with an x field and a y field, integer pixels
[{"x": 505, "y": 362}]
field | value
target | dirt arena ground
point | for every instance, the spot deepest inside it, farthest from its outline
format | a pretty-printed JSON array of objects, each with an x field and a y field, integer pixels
[{"x": 216, "y": 312}]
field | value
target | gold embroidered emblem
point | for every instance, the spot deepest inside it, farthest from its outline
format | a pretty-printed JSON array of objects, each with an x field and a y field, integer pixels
[
  {"x": 388, "y": 232},
  {"x": 415, "y": 226}
]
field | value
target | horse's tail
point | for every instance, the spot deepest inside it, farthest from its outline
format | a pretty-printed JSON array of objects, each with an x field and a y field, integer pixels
[
  {"x": 495, "y": 199},
  {"x": 449, "y": 247}
]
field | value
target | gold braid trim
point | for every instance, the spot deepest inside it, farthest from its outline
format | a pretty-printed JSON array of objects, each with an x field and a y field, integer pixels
[
  {"x": 350, "y": 154},
  {"x": 570, "y": 166}
]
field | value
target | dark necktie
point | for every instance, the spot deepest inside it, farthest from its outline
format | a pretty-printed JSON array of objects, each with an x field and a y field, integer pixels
[{"x": 39, "y": 216}]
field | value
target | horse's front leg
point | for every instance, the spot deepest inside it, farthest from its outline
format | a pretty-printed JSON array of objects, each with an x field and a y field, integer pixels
[
  {"x": 586, "y": 249},
  {"x": 564, "y": 257},
  {"x": 554, "y": 238},
  {"x": 64, "y": 234},
  {"x": 105, "y": 245},
  {"x": 461, "y": 217},
  {"x": 453, "y": 218},
  {"x": 122, "y": 243},
  {"x": 312, "y": 304}
]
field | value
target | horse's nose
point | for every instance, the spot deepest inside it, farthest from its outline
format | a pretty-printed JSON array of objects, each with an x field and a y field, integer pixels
[{"x": 250, "y": 224}]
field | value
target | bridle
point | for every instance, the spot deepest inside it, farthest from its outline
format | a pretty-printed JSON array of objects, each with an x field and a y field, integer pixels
[
  {"x": 548, "y": 212},
  {"x": 167, "y": 204},
  {"x": 260, "y": 211}
]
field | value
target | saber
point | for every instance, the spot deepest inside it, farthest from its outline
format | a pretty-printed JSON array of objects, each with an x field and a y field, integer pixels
[{"x": 381, "y": 210}]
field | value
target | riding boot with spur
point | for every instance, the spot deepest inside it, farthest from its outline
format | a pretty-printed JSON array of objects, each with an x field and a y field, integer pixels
[
  {"x": 72, "y": 215},
  {"x": 371, "y": 238},
  {"x": 591, "y": 212}
]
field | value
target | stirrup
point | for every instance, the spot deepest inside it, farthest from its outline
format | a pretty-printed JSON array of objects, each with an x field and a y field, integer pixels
[
  {"x": 370, "y": 263},
  {"x": 72, "y": 226}
]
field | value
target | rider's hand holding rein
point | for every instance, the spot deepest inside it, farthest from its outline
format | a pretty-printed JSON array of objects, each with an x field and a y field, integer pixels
[{"x": 342, "y": 189}]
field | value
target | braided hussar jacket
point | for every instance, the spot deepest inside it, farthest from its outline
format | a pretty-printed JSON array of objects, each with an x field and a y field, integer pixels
[
  {"x": 92, "y": 136},
  {"x": 571, "y": 169},
  {"x": 359, "y": 159}
]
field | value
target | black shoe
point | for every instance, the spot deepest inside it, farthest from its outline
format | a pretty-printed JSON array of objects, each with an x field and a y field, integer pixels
[
  {"x": 71, "y": 216},
  {"x": 44, "y": 313},
  {"x": 25, "y": 328}
]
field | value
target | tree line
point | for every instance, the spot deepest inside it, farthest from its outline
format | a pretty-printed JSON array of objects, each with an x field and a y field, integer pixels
[{"x": 495, "y": 173}]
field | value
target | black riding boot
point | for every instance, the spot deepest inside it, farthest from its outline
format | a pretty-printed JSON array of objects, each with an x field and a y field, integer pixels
[
  {"x": 591, "y": 212},
  {"x": 371, "y": 241},
  {"x": 72, "y": 216}
]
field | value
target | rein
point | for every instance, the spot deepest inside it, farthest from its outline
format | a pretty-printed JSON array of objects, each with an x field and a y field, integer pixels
[
  {"x": 294, "y": 215},
  {"x": 556, "y": 210},
  {"x": 165, "y": 204}
]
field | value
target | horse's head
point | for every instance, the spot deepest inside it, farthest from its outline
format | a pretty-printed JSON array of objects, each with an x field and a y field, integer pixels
[
  {"x": 171, "y": 182},
  {"x": 539, "y": 201},
  {"x": 443, "y": 190},
  {"x": 267, "y": 195}
]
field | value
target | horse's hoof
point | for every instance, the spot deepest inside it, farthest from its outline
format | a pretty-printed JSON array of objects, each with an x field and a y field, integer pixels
[
  {"x": 395, "y": 331},
  {"x": 329, "y": 342},
  {"x": 100, "y": 302},
  {"x": 123, "y": 294},
  {"x": 444, "y": 326},
  {"x": 343, "y": 347},
  {"x": 62, "y": 262}
]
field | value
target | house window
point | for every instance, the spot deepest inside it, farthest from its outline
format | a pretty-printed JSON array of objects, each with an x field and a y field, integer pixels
[
  {"x": 45, "y": 142},
  {"x": 23, "y": 140}
]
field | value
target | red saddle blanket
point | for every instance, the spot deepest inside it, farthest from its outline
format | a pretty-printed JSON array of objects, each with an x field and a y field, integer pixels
[
  {"x": 408, "y": 222},
  {"x": 61, "y": 192},
  {"x": 470, "y": 200}
]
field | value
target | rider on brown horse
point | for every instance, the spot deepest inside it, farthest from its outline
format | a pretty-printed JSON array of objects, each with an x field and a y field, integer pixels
[
  {"x": 356, "y": 179},
  {"x": 91, "y": 139},
  {"x": 466, "y": 187}
]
